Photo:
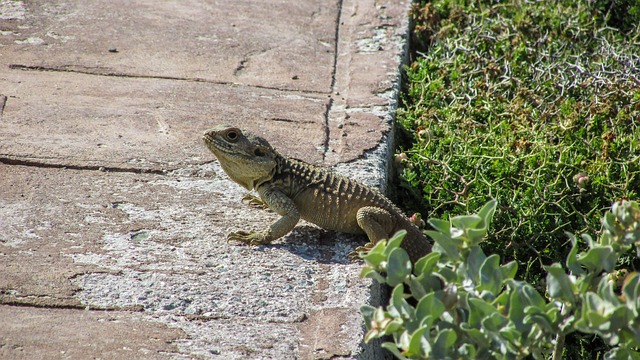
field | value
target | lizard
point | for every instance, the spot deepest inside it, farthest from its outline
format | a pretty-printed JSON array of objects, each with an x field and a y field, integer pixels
[{"x": 295, "y": 189}]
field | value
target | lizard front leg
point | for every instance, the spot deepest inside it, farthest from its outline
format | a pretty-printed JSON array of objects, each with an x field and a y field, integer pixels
[
  {"x": 281, "y": 204},
  {"x": 255, "y": 201}
]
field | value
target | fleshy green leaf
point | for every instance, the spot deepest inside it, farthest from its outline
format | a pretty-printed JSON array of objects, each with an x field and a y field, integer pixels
[
  {"x": 477, "y": 233},
  {"x": 494, "y": 321},
  {"x": 487, "y": 211},
  {"x": 392, "y": 348},
  {"x": 416, "y": 347},
  {"x": 572, "y": 259},
  {"x": 490, "y": 274},
  {"x": 522, "y": 295},
  {"x": 532, "y": 296},
  {"x": 622, "y": 353},
  {"x": 535, "y": 315},
  {"x": 510, "y": 334},
  {"x": 398, "y": 306},
  {"x": 468, "y": 351},
  {"x": 376, "y": 254},
  {"x": 605, "y": 291},
  {"x": 599, "y": 258},
  {"x": 446, "y": 243},
  {"x": 429, "y": 305},
  {"x": 476, "y": 335},
  {"x": 393, "y": 326},
  {"x": 442, "y": 226},
  {"x": 370, "y": 273},
  {"x": 509, "y": 270},
  {"x": 424, "y": 284},
  {"x": 404, "y": 340},
  {"x": 427, "y": 264},
  {"x": 447, "y": 275},
  {"x": 479, "y": 310},
  {"x": 444, "y": 341},
  {"x": 399, "y": 267},
  {"x": 595, "y": 319},
  {"x": 558, "y": 284},
  {"x": 631, "y": 290},
  {"x": 396, "y": 240},
  {"x": 474, "y": 262},
  {"x": 367, "y": 313},
  {"x": 466, "y": 221}
]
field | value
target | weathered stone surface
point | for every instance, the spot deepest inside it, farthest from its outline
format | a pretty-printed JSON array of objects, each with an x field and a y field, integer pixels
[
  {"x": 316, "y": 344},
  {"x": 370, "y": 50},
  {"x": 156, "y": 243},
  {"x": 109, "y": 200},
  {"x": 86, "y": 120},
  {"x": 32, "y": 333},
  {"x": 285, "y": 45}
]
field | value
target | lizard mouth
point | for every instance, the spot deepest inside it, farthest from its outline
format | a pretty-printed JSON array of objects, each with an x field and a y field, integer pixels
[
  {"x": 207, "y": 138},
  {"x": 215, "y": 145},
  {"x": 210, "y": 142}
]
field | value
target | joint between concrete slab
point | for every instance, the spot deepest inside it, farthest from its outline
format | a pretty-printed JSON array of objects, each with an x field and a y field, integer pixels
[
  {"x": 334, "y": 71},
  {"x": 291, "y": 120},
  {"x": 336, "y": 46},
  {"x": 41, "y": 302},
  {"x": 103, "y": 72},
  {"x": 23, "y": 162}
]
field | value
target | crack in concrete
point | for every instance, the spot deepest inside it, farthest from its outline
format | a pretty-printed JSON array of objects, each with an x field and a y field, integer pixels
[
  {"x": 246, "y": 59},
  {"x": 292, "y": 121},
  {"x": 3, "y": 105},
  {"x": 33, "y": 163},
  {"x": 241, "y": 66},
  {"x": 103, "y": 72},
  {"x": 327, "y": 130}
]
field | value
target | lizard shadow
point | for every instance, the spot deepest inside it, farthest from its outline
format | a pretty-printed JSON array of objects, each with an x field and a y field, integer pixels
[{"x": 324, "y": 246}]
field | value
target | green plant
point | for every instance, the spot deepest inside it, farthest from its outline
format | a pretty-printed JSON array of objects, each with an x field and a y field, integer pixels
[
  {"x": 533, "y": 103},
  {"x": 458, "y": 303}
]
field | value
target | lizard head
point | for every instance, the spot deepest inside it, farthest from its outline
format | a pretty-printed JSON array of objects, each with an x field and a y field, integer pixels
[{"x": 248, "y": 159}]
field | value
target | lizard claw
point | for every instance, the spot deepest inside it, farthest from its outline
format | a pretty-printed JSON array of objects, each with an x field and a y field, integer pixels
[
  {"x": 354, "y": 256},
  {"x": 255, "y": 201},
  {"x": 248, "y": 237}
]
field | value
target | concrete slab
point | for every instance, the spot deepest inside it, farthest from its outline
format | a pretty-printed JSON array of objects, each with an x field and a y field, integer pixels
[
  {"x": 77, "y": 119},
  {"x": 109, "y": 200},
  {"x": 156, "y": 243},
  {"x": 31, "y": 333},
  {"x": 223, "y": 42},
  {"x": 287, "y": 46}
]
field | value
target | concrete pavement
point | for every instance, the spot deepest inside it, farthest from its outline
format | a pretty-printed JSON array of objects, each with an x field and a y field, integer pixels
[{"x": 113, "y": 215}]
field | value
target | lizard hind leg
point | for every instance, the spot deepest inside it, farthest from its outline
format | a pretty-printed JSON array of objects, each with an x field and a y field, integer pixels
[{"x": 377, "y": 223}]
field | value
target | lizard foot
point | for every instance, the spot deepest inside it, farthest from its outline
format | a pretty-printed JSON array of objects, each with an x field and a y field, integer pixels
[
  {"x": 248, "y": 237},
  {"x": 354, "y": 255},
  {"x": 255, "y": 201}
]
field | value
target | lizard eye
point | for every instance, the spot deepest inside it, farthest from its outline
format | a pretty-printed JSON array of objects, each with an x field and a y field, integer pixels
[
  {"x": 258, "y": 152},
  {"x": 232, "y": 135}
]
